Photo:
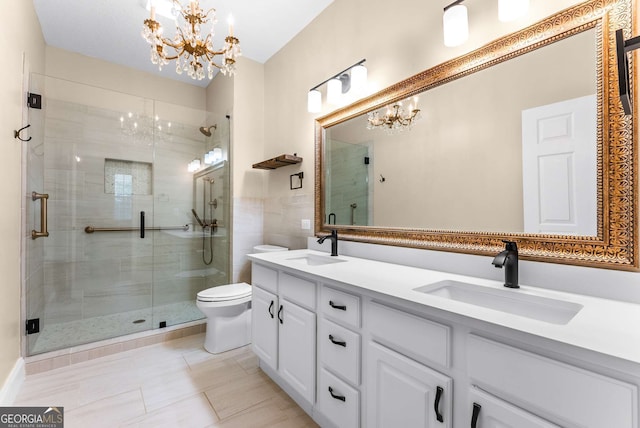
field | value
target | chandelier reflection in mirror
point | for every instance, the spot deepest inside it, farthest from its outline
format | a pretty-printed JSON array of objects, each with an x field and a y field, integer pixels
[
  {"x": 192, "y": 51},
  {"x": 396, "y": 118}
]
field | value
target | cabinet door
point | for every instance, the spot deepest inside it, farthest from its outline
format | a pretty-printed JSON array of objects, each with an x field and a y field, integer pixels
[
  {"x": 487, "y": 411},
  {"x": 297, "y": 348},
  {"x": 264, "y": 326},
  {"x": 404, "y": 393}
]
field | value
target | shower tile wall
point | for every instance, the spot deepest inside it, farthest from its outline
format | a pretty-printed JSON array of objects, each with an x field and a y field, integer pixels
[{"x": 99, "y": 274}]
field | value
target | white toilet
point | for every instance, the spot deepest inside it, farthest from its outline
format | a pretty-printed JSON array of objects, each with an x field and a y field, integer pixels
[{"x": 228, "y": 312}]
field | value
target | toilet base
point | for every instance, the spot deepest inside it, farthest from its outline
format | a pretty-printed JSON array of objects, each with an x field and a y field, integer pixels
[{"x": 228, "y": 332}]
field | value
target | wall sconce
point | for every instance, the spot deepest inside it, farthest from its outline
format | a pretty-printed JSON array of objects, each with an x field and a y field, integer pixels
[
  {"x": 455, "y": 21},
  {"x": 337, "y": 85}
]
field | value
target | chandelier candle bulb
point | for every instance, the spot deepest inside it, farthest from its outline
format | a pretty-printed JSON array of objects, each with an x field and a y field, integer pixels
[
  {"x": 153, "y": 13},
  {"x": 230, "y": 21}
]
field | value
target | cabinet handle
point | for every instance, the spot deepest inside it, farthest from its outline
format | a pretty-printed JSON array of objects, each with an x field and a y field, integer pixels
[
  {"x": 339, "y": 307},
  {"x": 279, "y": 313},
  {"x": 337, "y": 342},
  {"x": 271, "y": 309},
  {"x": 476, "y": 413},
  {"x": 436, "y": 404},
  {"x": 337, "y": 397}
]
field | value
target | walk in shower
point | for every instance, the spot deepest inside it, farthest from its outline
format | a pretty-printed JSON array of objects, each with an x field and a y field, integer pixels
[{"x": 124, "y": 252}]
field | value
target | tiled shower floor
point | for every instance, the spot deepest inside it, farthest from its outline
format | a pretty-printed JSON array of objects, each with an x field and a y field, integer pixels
[{"x": 65, "y": 335}]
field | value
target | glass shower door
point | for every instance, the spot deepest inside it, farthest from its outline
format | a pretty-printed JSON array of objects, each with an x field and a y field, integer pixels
[{"x": 91, "y": 278}]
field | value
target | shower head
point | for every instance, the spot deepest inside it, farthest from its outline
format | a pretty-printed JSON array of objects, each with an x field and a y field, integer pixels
[{"x": 207, "y": 131}]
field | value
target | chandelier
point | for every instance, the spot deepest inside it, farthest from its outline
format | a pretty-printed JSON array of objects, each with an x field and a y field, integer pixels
[
  {"x": 396, "y": 118},
  {"x": 192, "y": 51}
]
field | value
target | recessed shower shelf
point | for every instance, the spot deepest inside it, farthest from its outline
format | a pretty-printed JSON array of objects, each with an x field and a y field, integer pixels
[{"x": 277, "y": 162}]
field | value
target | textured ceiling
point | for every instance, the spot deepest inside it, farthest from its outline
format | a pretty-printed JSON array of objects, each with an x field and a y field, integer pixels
[{"x": 110, "y": 29}]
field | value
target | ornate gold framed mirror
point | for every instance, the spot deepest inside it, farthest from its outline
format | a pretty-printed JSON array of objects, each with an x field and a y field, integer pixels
[{"x": 573, "y": 206}]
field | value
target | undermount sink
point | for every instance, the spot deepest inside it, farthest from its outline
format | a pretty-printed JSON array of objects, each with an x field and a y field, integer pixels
[
  {"x": 315, "y": 260},
  {"x": 510, "y": 301}
]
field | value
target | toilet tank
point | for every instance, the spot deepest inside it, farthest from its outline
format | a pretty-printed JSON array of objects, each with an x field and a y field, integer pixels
[{"x": 268, "y": 248}]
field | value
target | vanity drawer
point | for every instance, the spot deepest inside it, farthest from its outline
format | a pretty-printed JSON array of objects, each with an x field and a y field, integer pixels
[
  {"x": 423, "y": 340},
  {"x": 340, "y": 306},
  {"x": 264, "y": 277},
  {"x": 298, "y": 290},
  {"x": 531, "y": 381},
  {"x": 340, "y": 350},
  {"x": 339, "y": 402}
]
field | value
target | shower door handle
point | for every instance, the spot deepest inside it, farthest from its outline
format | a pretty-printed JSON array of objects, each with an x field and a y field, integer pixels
[
  {"x": 44, "y": 197},
  {"x": 141, "y": 224}
]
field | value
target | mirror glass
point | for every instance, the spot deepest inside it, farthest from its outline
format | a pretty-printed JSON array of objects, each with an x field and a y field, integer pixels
[
  {"x": 509, "y": 149},
  {"x": 523, "y": 139}
]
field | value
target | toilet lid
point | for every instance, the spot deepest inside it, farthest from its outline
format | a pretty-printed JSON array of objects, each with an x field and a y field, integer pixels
[{"x": 227, "y": 292}]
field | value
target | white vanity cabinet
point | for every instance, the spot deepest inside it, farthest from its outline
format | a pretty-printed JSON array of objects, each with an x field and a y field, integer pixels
[
  {"x": 284, "y": 327},
  {"x": 382, "y": 360},
  {"x": 400, "y": 389},
  {"x": 570, "y": 395},
  {"x": 487, "y": 411},
  {"x": 339, "y": 357}
]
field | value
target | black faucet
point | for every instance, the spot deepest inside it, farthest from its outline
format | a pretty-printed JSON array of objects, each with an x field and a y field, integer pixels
[
  {"x": 509, "y": 259},
  {"x": 334, "y": 241}
]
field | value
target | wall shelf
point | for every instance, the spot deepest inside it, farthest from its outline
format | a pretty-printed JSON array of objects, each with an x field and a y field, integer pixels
[{"x": 277, "y": 162}]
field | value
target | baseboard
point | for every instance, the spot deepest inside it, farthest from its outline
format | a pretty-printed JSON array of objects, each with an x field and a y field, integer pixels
[{"x": 12, "y": 384}]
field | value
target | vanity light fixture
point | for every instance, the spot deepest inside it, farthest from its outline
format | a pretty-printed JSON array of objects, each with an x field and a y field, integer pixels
[
  {"x": 455, "y": 24},
  {"x": 396, "y": 118},
  {"x": 455, "y": 20},
  {"x": 194, "y": 165},
  {"x": 351, "y": 78}
]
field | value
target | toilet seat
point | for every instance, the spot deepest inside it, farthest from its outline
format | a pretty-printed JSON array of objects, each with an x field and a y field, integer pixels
[{"x": 226, "y": 293}]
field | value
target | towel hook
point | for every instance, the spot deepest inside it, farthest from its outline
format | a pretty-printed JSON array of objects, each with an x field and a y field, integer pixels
[{"x": 16, "y": 134}]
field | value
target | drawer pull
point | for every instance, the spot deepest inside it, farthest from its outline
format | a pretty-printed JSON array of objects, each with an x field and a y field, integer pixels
[
  {"x": 337, "y": 342},
  {"x": 279, "y": 315},
  {"x": 271, "y": 309},
  {"x": 339, "y": 307},
  {"x": 476, "y": 413},
  {"x": 337, "y": 397},
  {"x": 436, "y": 404}
]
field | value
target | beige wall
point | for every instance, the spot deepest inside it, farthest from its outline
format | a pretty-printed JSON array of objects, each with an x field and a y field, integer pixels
[
  {"x": 20, "y": 33},
  {"x": 397, "y": 42},
  {"x": 91, "y": 71}
]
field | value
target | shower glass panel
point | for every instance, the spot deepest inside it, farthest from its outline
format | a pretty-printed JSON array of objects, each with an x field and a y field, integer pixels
[{"x": 109, "y": 162}]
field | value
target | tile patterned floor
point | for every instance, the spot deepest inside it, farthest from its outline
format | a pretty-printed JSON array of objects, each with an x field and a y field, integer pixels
[
  {"x": 172, "y": 384},
  {"x": 72, "y": 333}
]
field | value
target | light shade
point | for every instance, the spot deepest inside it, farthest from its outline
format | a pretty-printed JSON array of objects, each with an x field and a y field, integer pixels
[
  {"x": 314, "y": 101},
  {"x": 510, "y": 10},
  {"x": 334, "y": 91},
  {"x": 455, "y": 24},
  {"x": 359, "y": 78},
  {"x": 217, "y": 154}
]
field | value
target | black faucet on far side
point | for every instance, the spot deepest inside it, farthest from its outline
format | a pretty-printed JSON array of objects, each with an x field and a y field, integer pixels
[
  {"x": 509, "y": 259},
  {"x": 334, "y": 241}
]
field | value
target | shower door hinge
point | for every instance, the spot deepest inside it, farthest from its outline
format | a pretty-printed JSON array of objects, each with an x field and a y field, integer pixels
[
  {"x": 163, "y": 324},
  {"x": 34, "y": 101},
  {"x": 33, "y": 326}
]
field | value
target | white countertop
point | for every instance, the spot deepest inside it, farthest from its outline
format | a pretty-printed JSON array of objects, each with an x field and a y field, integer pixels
[{"x": 606, "y": 326}]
